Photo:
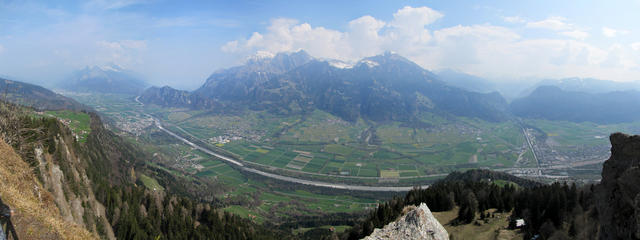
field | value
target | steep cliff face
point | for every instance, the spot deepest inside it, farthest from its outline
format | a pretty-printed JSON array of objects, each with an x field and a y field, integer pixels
[
  {"x": 417, "y": 223},
  {"x": 59, "y": 165},
  {"x": 36, "y": 212},
  {"x": 618, "y": 195}
]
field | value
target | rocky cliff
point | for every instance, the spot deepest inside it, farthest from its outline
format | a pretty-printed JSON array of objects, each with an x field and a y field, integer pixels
[
  {"x": 60, "y": 166},
  {"x": 36, "y": 215},
  {"x": 417, "y": 223},
  {"x": 618, "y": 195}
]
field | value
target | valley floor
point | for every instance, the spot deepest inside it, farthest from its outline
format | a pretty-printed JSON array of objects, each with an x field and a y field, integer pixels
[{"x": 321, "y": 148}]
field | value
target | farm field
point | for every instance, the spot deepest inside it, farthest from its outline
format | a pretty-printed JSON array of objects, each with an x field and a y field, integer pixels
[
  {"x": 319, "y": 144},
  {"x": 323, "y": 147},
  {"x": 245, "y": 196},
  {"x": 322, "y": 144},
  {"x": 78, "y": 122}
]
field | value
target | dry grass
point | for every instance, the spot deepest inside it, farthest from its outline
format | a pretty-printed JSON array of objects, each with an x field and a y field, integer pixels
[
  {"x": 36, "y": 215},
  {"x": 494, "y": 228}
]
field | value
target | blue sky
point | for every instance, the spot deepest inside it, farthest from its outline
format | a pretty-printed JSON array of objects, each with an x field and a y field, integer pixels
[{"x": 180, "y": 43}]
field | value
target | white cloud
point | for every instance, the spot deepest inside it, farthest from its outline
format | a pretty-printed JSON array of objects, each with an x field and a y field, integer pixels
[
  {"x": 610, "y": 32},
  {"x": 551, "y": 23},
  {"x": 514, "y": 19},
  {"x": 486, "y": 50},
  {"x": 415, "y": 18},
  {"x": 120, "y": 52},
  {"x": 364, "y": 31},
  {"x": 577, "y": 34},
  {"x": 365, "y": 36},
  {"x": 635, "y": 46}
]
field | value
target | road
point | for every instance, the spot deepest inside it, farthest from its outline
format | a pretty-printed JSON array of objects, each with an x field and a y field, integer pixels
[
  {"x": 275, "y": 176},
  {"x": 526, "y": 136}
]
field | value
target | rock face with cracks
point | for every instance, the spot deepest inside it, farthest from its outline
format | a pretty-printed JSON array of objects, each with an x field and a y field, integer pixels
[
  {"x": 417, "y": 223},
  {"x": 618, "y": 194}
]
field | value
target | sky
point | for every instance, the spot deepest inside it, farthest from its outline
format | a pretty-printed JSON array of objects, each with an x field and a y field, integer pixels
[{"x": 180, "y": 43}]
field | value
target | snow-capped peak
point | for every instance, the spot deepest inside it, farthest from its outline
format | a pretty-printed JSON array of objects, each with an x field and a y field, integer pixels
[
  {"x": 260, "y": 55},
  {"x": 339, "y": 64},
  {"x": 370, "y": 63}
]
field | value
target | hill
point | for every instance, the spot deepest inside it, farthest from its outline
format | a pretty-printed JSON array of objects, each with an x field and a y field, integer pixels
[
  {"x": 587, "y": 85},
  {"x": 466, "y": 81},
  {"x": 97, "y": 185},
  {"x": 106, "y": 79},
  {"x": 36, "y": 215},
  {"x": 380, "y": 88},
  {"x": 35, "y": 96},
  {"x": 553, "y": 103}
]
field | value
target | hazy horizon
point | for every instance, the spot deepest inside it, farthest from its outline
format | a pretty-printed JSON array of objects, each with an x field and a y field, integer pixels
[{"x": 180, "y": 45}]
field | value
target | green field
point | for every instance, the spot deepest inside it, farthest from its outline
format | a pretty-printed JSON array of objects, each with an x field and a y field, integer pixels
[
  {"x": 151, "y": 183},
  {"x": 323, "y": 147},
  {"x": 565, "y": 134},
  {"x": 78, "y": 122},
  {"x": 320, "y": 143}
]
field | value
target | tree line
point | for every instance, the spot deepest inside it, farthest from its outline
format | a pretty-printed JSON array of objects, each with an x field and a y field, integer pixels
[{"x": 555, "y": 211}]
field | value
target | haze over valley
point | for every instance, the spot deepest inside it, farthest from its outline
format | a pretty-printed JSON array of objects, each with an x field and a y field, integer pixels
[{"x": 375, "y": 120}]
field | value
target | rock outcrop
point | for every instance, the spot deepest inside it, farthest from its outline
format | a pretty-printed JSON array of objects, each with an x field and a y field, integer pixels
[
  {"x": 36, "y": 215},
  {"x": 418, "y": 223},
  {"x": 618, "y": 195}
]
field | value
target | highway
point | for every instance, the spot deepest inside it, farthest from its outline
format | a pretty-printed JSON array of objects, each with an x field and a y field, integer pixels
[
  {"x": 526, "y": 136},
  {"x": 276, "y": 176}
]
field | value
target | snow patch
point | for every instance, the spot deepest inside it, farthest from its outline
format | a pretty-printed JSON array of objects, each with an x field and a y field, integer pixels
[
  {"x": 370, "y": 63},
  {"x": 260, "y": 55},
  {"x": 110, "y": 68},
  {"x": 340, "y": 64}
]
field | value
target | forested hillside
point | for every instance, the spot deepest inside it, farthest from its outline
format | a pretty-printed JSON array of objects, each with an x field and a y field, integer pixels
[
  {"x": 94, "y": 184},
  {"x": 558, "y": 211}
]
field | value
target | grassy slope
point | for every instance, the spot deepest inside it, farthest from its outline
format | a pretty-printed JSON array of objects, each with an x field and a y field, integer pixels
[
  {"x": 78, "y": 122},
  {"x": 493, "y": 228},
  {"x": 36, "y": 215}
]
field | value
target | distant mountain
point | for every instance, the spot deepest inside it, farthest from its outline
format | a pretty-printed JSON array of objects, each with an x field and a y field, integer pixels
[
  {"x": 553, "y": 103},
  {"x": 106, "y": 79},
  {"x": 466, "y": 81},
  {"x": 169, "y": 97},
  {"x": 35, "y": 96},
  {"x": 587, "y": 85},
  {"x": 380, "y": 88}
]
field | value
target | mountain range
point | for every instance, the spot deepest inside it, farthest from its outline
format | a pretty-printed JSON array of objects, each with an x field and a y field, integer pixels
[
  {"x": 466, "y": 81},
  {"x": 36, "y": 96},
  {"x": 105, "y": 79},
  {"x": 379, "y": 88},
  {"x": 587, "y": 85},
  {"x": 554, "y": 103}
]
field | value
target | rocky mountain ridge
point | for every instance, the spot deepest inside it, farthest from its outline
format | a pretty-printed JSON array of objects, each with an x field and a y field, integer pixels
[
  {"x": 36, "y": 96},
  {"x": 416, "y": 223},
  {"x": 554, "y": 103},
  {"x": 380, "y": 88},
  {"x": 105, "y": 79}
]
